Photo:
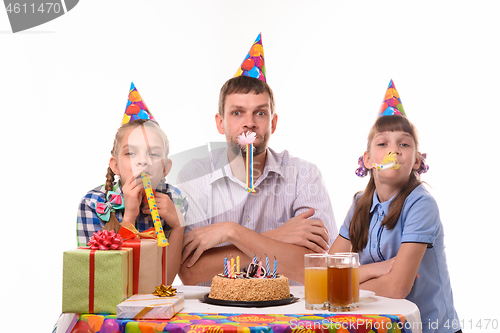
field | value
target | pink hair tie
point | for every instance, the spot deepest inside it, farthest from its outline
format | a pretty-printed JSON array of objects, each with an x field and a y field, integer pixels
[
  {"x": 423, "y": 168},
  {"x": 361, "y": 171}
]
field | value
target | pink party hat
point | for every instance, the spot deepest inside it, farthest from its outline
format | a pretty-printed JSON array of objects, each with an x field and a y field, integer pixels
[
  {"x": 136, "y": 107},
  {"x": 253, "y": 65},
  {"x": 392, "y": 102}
]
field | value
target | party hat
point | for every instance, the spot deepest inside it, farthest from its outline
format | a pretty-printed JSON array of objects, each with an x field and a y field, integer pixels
[
  {"x": 392, "y": 102},
  {"x": 136, "y": 107},
  {"x": 253, "y": 65}
]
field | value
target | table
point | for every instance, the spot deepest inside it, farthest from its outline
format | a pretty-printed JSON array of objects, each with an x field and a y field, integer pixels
[{"x": 379, "y": 314}]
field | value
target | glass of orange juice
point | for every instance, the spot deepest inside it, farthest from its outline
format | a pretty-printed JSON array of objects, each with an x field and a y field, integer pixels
[
  {"x": 355, "y": 275},
  {"x": 315, "y": 283}
]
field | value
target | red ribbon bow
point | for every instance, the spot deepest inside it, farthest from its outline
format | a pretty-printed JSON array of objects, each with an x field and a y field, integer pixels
[{"x": 105, "y": 240}]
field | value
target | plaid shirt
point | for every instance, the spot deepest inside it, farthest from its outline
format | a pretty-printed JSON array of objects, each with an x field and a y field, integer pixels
[{"x": 88, "y": 222}]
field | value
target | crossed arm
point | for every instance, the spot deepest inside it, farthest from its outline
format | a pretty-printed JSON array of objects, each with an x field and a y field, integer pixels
[
  {"x": 201, "y": 259},
  {"x": 392, "y": 278}
]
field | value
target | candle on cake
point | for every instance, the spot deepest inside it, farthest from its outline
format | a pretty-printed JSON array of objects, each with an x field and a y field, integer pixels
[
  {"x": 268, "y": 272},
  {"x": 232, "y": 268},
  {"x": 275, "y": 267},
  {"x": 246, "y": 140},
  {"x": 225, "y": 266}
]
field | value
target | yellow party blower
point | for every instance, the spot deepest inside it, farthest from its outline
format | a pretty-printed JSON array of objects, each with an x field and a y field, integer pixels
[{"x": 160, "y": 235}]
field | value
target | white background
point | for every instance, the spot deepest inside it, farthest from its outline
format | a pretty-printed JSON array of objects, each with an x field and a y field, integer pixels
[{"x": 64, "y": 84}]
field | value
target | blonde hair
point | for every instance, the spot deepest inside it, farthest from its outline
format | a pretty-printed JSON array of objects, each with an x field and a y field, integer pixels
[{"x": 113, "y": 223}]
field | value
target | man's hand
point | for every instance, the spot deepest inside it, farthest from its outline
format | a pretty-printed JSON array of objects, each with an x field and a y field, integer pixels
[
  {"x": 299, "y": 230},
  {"x": 203, "y": 238}
]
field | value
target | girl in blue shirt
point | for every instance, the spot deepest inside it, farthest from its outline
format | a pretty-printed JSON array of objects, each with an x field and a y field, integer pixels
[{"x": 395, "y": 227}]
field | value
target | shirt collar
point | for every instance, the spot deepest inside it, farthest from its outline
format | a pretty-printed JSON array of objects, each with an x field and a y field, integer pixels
[
  {"x": 117, "y": 187},
  {"x": 274, "y": 163},
  {"x": 221, "y": 167},
  {"x": 382, "y": 207}
]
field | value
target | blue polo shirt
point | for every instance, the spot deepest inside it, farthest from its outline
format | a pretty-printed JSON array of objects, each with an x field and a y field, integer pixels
[{"x": 419, "y": 222}]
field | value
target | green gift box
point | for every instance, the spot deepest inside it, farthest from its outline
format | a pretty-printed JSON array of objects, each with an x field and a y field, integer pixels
[{"x": 96, "y": 281}]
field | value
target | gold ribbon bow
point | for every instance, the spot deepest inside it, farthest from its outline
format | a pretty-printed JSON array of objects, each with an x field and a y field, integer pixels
[{"x": 164, "y": 291}]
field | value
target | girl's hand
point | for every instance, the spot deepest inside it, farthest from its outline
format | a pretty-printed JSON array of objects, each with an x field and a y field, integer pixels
[
  {"x": 132, "y": 196},
  {"x": 375, "y": 270},
  {"x": 166, "y": 209},
  {"x": 383, "y": 267}
]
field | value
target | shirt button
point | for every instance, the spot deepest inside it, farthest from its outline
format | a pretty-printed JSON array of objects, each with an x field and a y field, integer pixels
[{"x": 248, "y": 219}]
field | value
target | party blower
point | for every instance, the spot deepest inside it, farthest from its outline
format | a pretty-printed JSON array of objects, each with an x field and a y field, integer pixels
[
  {"x": 388, "y": 162},
  {"x": 246, "y": 140},
  {"x": 160, "y": 235}
]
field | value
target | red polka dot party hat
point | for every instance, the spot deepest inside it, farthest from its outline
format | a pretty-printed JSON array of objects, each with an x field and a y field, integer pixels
[
  {"x": 253, "y": 65},
  {"x": 392, "y": 102},
  {"x": 136, "y": 107}
]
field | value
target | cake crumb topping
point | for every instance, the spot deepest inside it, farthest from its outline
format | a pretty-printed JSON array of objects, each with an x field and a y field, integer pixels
[{"x": 250, "y": 289}]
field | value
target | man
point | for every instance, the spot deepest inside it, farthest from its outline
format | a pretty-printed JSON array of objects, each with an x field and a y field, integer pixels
[{"x": 289, "y": 215}]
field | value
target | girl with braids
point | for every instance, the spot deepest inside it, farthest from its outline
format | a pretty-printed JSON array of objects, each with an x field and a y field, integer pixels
[
  {"x": 139, "y": 146},
  {"x": 395, "y": 226}
]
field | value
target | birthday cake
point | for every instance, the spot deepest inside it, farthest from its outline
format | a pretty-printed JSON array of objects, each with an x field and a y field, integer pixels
[{"x": 248, "y": 286}]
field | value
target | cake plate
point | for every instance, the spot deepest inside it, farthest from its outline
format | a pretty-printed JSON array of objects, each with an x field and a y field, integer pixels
[{"x": 249, "y": 304}]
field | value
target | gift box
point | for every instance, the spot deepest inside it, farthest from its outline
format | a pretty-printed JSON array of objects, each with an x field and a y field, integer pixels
[
  {"x": 150, "y": 260},
  {"x": 148, "y": 306},
  {"x": 96, "y": 281}
]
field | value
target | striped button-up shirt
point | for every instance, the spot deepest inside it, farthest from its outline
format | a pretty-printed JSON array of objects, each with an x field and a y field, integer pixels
[{"x": 287, "y": 187}]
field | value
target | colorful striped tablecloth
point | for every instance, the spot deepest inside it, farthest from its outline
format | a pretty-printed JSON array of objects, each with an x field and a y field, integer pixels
[{"x": 246, "y": 323}]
